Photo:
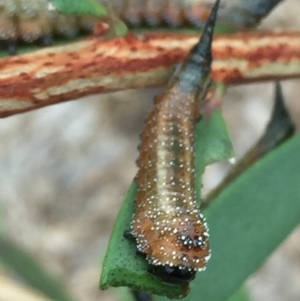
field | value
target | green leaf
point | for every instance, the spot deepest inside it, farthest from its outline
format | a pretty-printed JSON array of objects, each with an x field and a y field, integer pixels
[
  {"x": 122, "y": 267},
  {"x": 31, "y": 272},
  {"x": 212, "y": 143},
  {"x": 248, "y": 220},
  {"x": 212, "y": 140},
  {"x": 80, "y": 7},
  {"x": 117, "y": 28}
]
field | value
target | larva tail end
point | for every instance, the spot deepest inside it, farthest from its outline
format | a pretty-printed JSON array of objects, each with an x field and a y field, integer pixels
[
  {"x": 213, "y": 15},
  {"x": 172, "y": 274},
  {"x": 204, "y": 46},
  {"x": 194, "y": 72}
]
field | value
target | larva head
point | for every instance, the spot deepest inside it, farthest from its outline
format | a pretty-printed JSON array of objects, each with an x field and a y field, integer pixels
[
  {"x": 181, "y": 250},
  {"x": 171, "y": 274},
  {"x": 184, "y": 241}
]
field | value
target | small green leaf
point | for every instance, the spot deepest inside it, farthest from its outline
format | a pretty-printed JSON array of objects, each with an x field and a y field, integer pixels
[
  {"x": 33, "y": 274},
  {"x": 80, "y": 7},
  {"x": 122, "y": 267},
  {"x": 212, "y": 143},
  {"x": 117, "y": 29},
  {"x": 212, "y": 140},
  {"x": 121, "y": 29}
]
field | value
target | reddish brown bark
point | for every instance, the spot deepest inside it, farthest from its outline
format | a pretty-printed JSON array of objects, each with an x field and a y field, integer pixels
[{"x": 92, "y": 65}]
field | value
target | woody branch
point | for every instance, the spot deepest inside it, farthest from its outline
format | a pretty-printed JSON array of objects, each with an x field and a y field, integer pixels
[{"x": 62, "y": 73}]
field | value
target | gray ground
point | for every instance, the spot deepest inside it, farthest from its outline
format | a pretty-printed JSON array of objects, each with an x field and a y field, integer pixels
[{"x": 65, "y": 170}]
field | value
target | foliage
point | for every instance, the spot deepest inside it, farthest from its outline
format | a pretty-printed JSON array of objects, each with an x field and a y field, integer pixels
[{"x": 79, "y": 7}]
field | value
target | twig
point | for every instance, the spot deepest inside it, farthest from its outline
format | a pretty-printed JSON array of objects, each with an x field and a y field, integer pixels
[{"x": 62, "y": 73}]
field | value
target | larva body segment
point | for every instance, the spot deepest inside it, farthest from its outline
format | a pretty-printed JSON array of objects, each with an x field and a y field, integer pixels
[
  {"x": 172, "y": 13},
  {"x": 32, "y": 20},
  {"x": 167, "y": 224}
]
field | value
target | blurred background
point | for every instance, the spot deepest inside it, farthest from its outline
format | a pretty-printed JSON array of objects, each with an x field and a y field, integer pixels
[{"x": 65, "y": 170}]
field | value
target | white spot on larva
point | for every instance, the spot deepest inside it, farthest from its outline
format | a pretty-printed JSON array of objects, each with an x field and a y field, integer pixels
[{"x": 207, "y": 257}]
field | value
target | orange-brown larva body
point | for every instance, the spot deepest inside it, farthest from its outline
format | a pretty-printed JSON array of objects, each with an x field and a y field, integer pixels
[{"x": 167, "y": 224}]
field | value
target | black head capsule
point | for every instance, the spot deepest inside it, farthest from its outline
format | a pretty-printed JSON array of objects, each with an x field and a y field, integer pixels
[{"x": 171, "y": 274}]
